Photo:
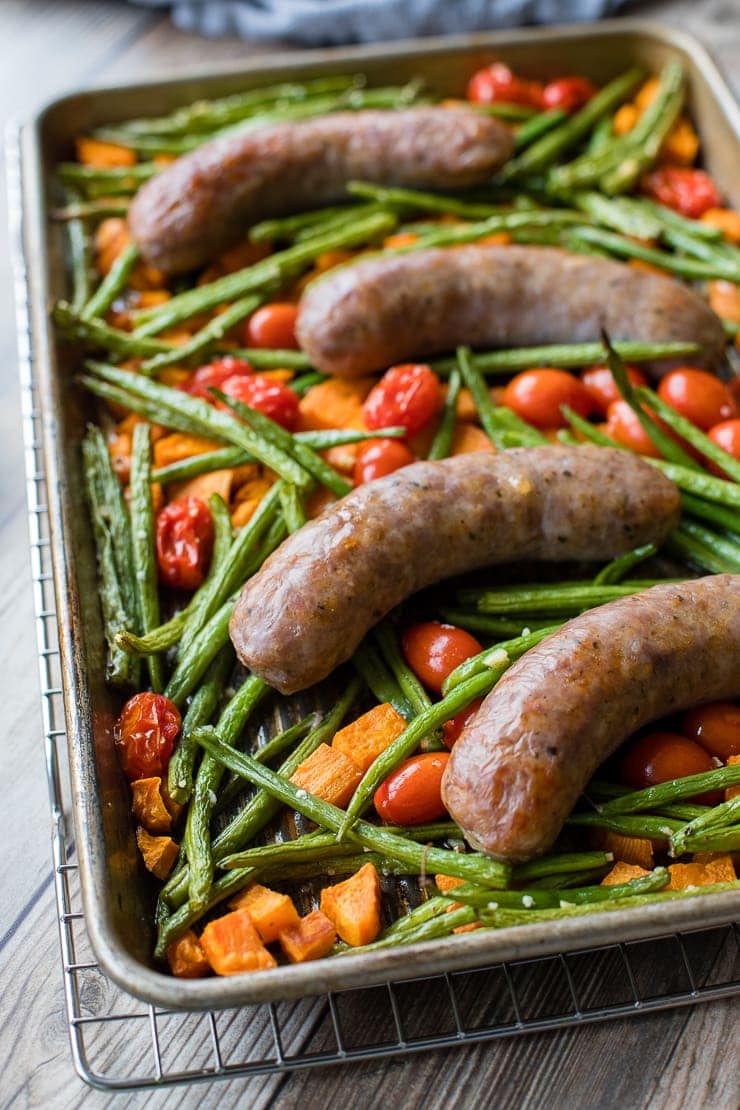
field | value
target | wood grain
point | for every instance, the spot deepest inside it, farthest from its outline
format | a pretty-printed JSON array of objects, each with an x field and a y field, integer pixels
[{"x": 664, "y": 1061}]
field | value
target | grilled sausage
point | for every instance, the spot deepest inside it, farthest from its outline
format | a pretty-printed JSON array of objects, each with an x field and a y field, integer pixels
[
  {"x": 206, "y": 200},
  {"x": 314, "y": 599},
  {"x": 363, "y": 318},
  {"x": 518, "y": 768}
]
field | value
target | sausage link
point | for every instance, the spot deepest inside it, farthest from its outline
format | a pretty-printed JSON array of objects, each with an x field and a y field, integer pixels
[
  {"x": 314, "y": 599},
  {"x": 363, "y": 318},
  {"x": 519, "y": 767},
  {"x": 206, "y": 200}
]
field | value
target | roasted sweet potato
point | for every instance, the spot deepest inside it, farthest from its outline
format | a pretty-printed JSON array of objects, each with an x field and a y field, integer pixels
[
  {"x": 158, "y": 852},
  {"x": 625, "y": 849},
  {"x": 186, "y": 957},
  {"x": 149, "y": 806},
  {"x": 719, "y": 869},
  {"x": 354, "y": 906},
  {"x": 232, "y": 945},
  {"x": 270, "y": 912},
  {"x": 364, "y": 739},
  {"x": 335, "y": 403},
  {"x": 177, "y": 446},
  {"x": 312, "y": 938},
  {"x": 622, "y": 873},
  {"x": 329, "y": 774},
  {"x": 93, "y": 152}
]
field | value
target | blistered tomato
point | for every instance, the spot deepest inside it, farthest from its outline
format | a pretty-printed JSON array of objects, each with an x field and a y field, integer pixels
[
  {"x": 213, "y": 375},
  {"x": 538, "y": 395},
  {"x": 568, "y": 93},
  {"x": 727, "y": 436},
  {"x": 716, "y": 727},
  {"x": 602, "y": 388},
  {"x": 145, "y": 735},
  {"x": 699, "y": 396},
  {"x": 433, "y": 650},
  {"x": 379, "y": 457},
  {"x": 623, "y": 425},
  {"x": 406, "y": 396},
  {"x": 272, "y": 398},
  {"x": 497, "y": 83},
  {"x": 273, "y": 326},
  {"x": 184, "y": 541},
  {"x": 451, "y": 729},
  {"x": 662, "y": 756},
  {"x": 690, "y": 192},
  {"x": 412, "y": 794}
]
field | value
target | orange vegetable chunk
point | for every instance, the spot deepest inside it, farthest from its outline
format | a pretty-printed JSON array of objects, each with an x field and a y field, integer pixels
[
  {"x": 732, "y": 791},
  {"x": 329, "y": 774},
  {"x": 625, "y": 849},
  {"x": 718, "y": 870},
  {"x": 312, "y": 938},
  {"x": 186, "y": 957},
  {"x": 203, "y": 485},
  {"x": 232, "y": 945},
  {"x": 270, "y": 912},
  {"x": 335, "y": 403},
  {"x": 94, "y": 152},
  {"x": 445, "y": 883},
  {"x": 149, "y": 805},
  {"x": 158, "y": 852},
  {"x": 366, "y": 738},
  {"x": 467, "y": 438},
  {"x": 178, "y": 446},
  {"x": 622, "y": 873},
  {"x": 354, "y": 906}
]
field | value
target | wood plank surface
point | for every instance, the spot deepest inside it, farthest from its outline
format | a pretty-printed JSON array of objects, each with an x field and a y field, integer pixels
[{"x": 675, "y": 1059}]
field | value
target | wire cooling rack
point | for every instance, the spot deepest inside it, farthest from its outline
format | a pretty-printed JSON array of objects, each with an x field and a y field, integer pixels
[{"x": 119, "y": 1043}]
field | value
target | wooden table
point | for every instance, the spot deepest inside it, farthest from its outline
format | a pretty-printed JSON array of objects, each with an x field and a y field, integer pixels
[{"x": 683, "y": 1058}]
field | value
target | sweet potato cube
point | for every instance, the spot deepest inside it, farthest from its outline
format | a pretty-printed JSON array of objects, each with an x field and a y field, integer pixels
[
  {"x": 335, "y": 403},
  {"x": 364, "y": 739},
  {"x": 720, "y": 869},
  {"x": 626, "y": 849},
  {"x": 233, "y": 945},
  {"x": 158, "y": 852},
  {"x": 354, "y": 906},
  {"x": 310, "y": 939},
  {"x": 467, "y": 438},
  {"x": 446, "y": 883},
  {"x": 94, "y": 152},
  {"x": 203, "y": 485},
  {"x": 622, "y": 873},
  {"x": 270, "y": 912},
  {"x": 732, "y": 791},
  {"x": 186, "y": 957},
  {"x": 178, "y": 446},
  {"x": 329, "y": 774},
  {"x": 149, "y": 805}
]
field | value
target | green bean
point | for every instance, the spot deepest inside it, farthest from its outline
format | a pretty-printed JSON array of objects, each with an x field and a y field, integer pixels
[
  {"x": 490, "y": 626},
  {"x": 651, "y": 828},
  {"x": 439, "y": 926},
  {"x": 345, "y": 219},
  {"x": 379, "y": 680},
  {"x": 185, "y": 916},
  {"x": 705, "y": 510},
  {"x": 623, "y": 247},
  {"x": 577, "y": 878},
  {"x": 209, "y": 334},
  {"x": 143, "y": 552},
  {"x": 723, "y": 547},
  {"x": 472, "y": 866},
  {"x": 546, "y": 150},
  {"x": 647, "y": 137},
  {"x": 445, "y": 434},
  {"x": 447, "y": 236},
  {"x": 566, "y": 355},
  {"x": 653, "y": 797},
  {"x": 551, "y": 599},
  {"x": 559, "y": 864},
  {"x": 305, "y": 382},
  {"x": 91, "y": 210},
  {"x": 700, "y": 484},
  {"x": 692, "y": 550},
  {"x": 717, "y": 820},
  {"x": 274, "y": 747},
  {"x": 537, "y": 126},
  {"x": 689, "y": 432},
  {"x": 291, "y": 507},
  {"x": 259, "y": 276},
  {"x": 264, "y": 358},
  {"x": 286, "y": 227},
  {"x": 417, "y": 697},
  {"x": 674, "y": 220},
  {"x": 502, "y": 109},
  {"x": 539, "y": 898},
  {"x": 731, "y": 328},
  {"x": 80, "y": 262},
  {"x": 496, "y": 659},
  {"x": 201, "y": 709},
  {"x": 425, "y": 202},
  {"x": 111, "y": 177},
  {"x": 492, "y": 417},
  {"x": 410, "y": 738},
  {"x": 615, "y": 571},
  {"x": 431, "y": 908},
  {"x": 601, "y": 136},
  {"x": 112, "y": 284},
  {"x": 620, "y": 213},
  {"x": 201, "y": 652},
  {"x": 707, "y": 251},
  {"x": 97, "y": 334},
  {"x": 159, "y": 639},
  {"x": 150, "y": 410}
]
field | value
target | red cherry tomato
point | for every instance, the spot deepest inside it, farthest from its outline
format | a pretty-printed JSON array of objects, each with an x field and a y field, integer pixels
[
  {"x": 602, "y": 388},
  {"x": 716, "y": 727},
  {"x": 184, "y": 539},
  {"x": 497, "y": 83},
  {"x": 272, "y": 398},
  {"x": 412, "y": 794},
  {"x": 379, "y": 457},
  {"x": 690, "y": 192},
  {"x": 568, "y": 93},
  {"x": 406, "y": 396},
  {"x": 727, "y": 436},
  {"x": 697, "y": 395},
  {"x": 451, "y": 729},
  {"x": 273, "y": 325},
  {"x": 213, "y": 375},
  {"x": 537, "y": 395},
  {"x": 661, "y": 756},
  {"x": 145, "y": 735},
  {"x": 623, "y": 425},
  {"x": 433, "y": 650}
]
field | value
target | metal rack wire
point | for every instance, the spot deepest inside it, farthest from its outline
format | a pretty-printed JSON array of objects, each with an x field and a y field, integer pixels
[{"x": 119, "y": 1043}]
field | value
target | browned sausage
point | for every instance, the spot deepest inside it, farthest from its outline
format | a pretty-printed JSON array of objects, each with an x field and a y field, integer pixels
[
  {"x": 314, "y": 599},
  {"x": 518, "y": 768},
  {"x": 383, "y": 310},
  {"x": 206, "y": 200}
]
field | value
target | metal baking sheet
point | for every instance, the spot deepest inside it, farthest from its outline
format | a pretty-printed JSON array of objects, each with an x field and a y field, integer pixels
[{"x": 117, "y": 892}]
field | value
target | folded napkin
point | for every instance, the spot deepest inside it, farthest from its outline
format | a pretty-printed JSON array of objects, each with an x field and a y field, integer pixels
[{"x": 334, "y": 22}]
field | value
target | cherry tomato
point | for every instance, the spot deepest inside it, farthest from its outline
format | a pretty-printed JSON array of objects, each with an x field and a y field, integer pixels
[
  {"x": 412, "y": 794},
  {"x": 379, "y": 457},
  {"x": 623, "y": 425},
  {"x": 145, "y": 735},
  {"x": 716, "y": 727},
  {"x": 697, "y": 395},
  {"x": 184, "y": 536},
  {"x": 690, "y": 192},
  {"x": 497, "y": 83},
  {"x": 602, "y": 388},
  {"x": 451, "y": 729},
  {"x": 727, "y": 436},
  {"x": 433, "y": 650},
  {"x": 406, "y": 396},
  {"x": 213, "y": 375},
  {"x": 537, "y": 395},
  {"x": 273, "y": 325},
  {"x": 272, "y": 398},
  {"x": 661, "y": 756},
  {"x": 568, "y": 93}
]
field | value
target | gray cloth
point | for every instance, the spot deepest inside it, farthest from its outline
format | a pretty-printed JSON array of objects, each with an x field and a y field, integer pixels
[{"x": 327, "y": 22}]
